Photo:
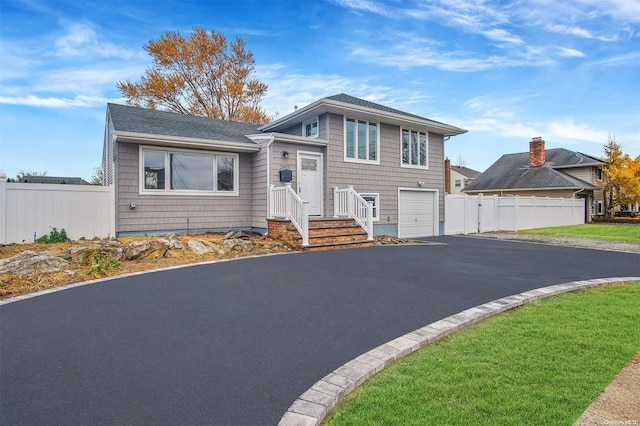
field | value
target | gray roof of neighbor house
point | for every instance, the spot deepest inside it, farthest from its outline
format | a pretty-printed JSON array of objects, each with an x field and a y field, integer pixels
[
  {"x": 342, "y": 102},
  {"x": 54, "y": 180},
  {"x": 465, "y": 171},
  {"x": 155, "y": 122},
  {"x": 512, "y": 171}
]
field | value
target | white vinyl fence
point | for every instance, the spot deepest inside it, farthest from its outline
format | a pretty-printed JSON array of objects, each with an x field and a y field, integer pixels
[
  {"x": 470, "y": 214},
  {"x": 31, "y": 210}
]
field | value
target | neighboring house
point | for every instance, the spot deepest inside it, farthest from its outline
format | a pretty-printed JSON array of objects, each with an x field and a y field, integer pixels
[
  {"x": 53, "y": 180},
  {"x": 174, "y": 172},
  {"x": 460, "y": 177},
  {"x": 555, "y": 172}
]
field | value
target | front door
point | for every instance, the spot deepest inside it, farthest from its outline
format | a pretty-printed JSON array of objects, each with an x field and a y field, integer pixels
[{"x": 310, "y": 181}]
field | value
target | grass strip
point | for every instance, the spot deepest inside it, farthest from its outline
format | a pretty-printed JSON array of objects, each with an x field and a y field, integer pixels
[
  {"x": 609, "y": 232},
  {"x": 543, "y": 363}
]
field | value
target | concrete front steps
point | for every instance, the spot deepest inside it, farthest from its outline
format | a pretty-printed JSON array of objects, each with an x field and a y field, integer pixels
[{"x": 324, "y": 234}]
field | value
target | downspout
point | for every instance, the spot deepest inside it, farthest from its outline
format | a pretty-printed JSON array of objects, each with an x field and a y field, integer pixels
[{"x": 269, "y": 174}]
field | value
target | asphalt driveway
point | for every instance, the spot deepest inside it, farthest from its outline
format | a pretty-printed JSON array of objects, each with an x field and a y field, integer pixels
[{"x": 235, "y": 343}]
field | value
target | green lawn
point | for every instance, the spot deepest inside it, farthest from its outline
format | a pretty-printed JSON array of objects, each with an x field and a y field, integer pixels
[
  {"x": 611, "y": 232},
  {"x": 543, "y": 363}
]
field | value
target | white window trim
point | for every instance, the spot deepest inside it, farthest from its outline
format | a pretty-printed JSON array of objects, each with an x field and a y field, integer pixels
[
  {"x": 415, "y": 166},
  {"x": 184, "y": 192},
  {"x": 304, "y": 126},
  {"x": 376, "y": 203},
  {"x": 344, "y": 142}
]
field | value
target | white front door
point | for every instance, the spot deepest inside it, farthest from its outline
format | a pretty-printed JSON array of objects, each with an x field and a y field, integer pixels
[{"x": 310, "y": 181}]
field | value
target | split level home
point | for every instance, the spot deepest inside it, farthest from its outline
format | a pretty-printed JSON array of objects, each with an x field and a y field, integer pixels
[
  {"x": 457, "y": 177},
  {"x": 544, "y": 172},
  {"x": 339, "y": 157}
]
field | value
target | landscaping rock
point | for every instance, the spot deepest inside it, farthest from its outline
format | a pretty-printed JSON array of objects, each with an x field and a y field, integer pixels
[
  {"x": 237, "y": 244},
  {"x": 201, "y": 247},
  {"x": 84, "y": 254},
  {"x": 237, "y": 235},
  {"x": 146, "y": 249},
  {"x": 175, "y": 246},
  {"x": 29, "y": 262}
]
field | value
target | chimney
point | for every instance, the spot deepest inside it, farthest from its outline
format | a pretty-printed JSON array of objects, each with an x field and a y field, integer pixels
[
  {"x": 536, "y": 152},
  {"x": 447, "y": 176}
]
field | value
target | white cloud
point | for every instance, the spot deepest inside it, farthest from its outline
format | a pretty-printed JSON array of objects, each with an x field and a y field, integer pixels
[
  {"x": 570, "y": 53},
  {"x": 54, "y": 102},
  {"x": 632, "y": 58},
  {"x": 568, "y": 130},
  {"x": 503, "y": 36},
  {"x": 578, "y": 32},
  {"x": 81, "y": 40}
]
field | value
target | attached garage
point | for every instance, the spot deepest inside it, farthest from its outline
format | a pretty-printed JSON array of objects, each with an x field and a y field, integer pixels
[{"x": 417, "y": 212}]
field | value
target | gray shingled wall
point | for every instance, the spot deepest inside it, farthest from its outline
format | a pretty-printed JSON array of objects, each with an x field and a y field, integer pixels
[
  {"x": 386, "y": 177},
  {"x": 160, "y": 213}
]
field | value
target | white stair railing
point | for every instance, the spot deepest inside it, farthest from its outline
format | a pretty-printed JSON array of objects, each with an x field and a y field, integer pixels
[
  {"x": 285, "y": 203},
  {"x": 347, "y": 202}
]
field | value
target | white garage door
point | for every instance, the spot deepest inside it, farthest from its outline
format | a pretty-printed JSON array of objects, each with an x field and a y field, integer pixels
[{"x": 416, "y": 213}]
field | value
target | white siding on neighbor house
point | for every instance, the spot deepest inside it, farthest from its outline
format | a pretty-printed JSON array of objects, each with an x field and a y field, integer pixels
[
  {"x": 386, "y": 177},
  {"x": 168, "y": 213},
  {"x": 455, "y": 176},
  {"x": 30, "y": 210}
]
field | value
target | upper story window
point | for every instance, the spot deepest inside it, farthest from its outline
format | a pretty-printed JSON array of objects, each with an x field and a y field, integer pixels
[
  {"x": 599, "y": 173},
  {"x": 175, "y": 172},
  {"x": 414, "y": 149},
  {"x": 310, "y": 128},
  {"x": 458, "y": 183},
  {"x": 361, "y": 141}
]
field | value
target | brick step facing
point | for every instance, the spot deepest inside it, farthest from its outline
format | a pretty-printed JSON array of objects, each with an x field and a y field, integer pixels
[{"x": 330, "y": 233}]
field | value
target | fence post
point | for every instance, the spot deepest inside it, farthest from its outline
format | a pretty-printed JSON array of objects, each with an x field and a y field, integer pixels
[
  {"x": 271, "y": 200},
  {"x": 350, "y": 208},
  {"x": 370, "y": 220},
  {"x": 480, "y": 213},
  {"x": 335, "y": 202},
  {"x": 516, "y": 207},
  {"x": 3, "y": 207},
  {"x": 305, "y": 223}
]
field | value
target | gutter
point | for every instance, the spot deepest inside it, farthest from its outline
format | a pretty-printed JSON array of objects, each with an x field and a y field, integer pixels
[
  {"x": 271, "y": 140},
  {"x": 181, "y": 141}
]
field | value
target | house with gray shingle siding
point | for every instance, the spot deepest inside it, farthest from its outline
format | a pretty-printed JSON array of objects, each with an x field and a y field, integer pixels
[
  {"x": 182, "y": 173},
  {"x": 541, "y": 172}
]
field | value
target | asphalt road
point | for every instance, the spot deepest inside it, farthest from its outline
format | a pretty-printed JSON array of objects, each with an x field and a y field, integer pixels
[{"x": 235, "y": 343}]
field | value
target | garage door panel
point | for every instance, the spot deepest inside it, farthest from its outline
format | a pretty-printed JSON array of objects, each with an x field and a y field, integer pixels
[{"x": 416, "y": 216}]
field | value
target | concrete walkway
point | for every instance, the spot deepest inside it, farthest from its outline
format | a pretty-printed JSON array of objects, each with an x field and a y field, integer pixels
[{"x": 236, "y": 343}]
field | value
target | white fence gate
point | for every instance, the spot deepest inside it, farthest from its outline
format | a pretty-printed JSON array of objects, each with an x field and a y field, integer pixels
[
  {"x": 470, "y": 214},
  {"x": 31, "y": 210}
]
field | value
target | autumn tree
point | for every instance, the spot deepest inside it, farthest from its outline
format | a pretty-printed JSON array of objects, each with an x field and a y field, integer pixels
[
  {"x": 202, "y": 75},
  {"x": 622, "y": 177}
]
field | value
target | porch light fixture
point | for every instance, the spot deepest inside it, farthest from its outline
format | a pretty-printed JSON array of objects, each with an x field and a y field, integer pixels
[
  {"x": 285, "y": 154},
  {"x": 420, "y": 183}
]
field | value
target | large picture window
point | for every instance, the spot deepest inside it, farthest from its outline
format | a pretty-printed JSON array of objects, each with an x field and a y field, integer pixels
[
  {"x": 414, "y": 148},
  {"x": 361, "y": 141},
  {"x": 186, "y": 172}
]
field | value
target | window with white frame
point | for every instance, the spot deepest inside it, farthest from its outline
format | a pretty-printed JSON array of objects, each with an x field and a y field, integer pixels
[
  {"x": 310, "y": 128},
  {"x": 414, "y": 148},
  {"x": 177, "y": 171},
  {"x": 599, "y": 208},
  {"x": 458, "y": 183},
  {"x": 599, "y": 173},
  {"x": 361, "y": 141},
  {"x": 375, "y": 198}
]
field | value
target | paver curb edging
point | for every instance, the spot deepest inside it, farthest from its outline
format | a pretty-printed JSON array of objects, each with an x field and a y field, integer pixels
[{"x": 314, "y": 404}]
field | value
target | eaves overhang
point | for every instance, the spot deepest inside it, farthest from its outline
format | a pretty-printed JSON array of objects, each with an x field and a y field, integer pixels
[
  {"x": 184, "y": 142},
  {"x": 284, "y": 137},
  {"x": 332, "y": 106},
  {"x": 572, "y": 188}
]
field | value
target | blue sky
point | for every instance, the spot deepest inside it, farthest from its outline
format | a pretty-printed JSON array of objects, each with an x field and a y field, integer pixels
[{"x": 568, "y": 71}]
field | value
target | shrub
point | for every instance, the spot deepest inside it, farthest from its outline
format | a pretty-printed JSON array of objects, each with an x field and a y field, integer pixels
[
  {"x": 54, "y": 237},
  {"x": 102, "y": 263}
]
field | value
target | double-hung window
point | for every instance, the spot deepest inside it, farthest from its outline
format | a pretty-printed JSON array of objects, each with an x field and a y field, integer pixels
[
  {"x": 414, "y": 148},
  {"x": 182, "y": 172},
  {"x": 361, "y": 141},
  {"x": 310, "y": 128}
]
